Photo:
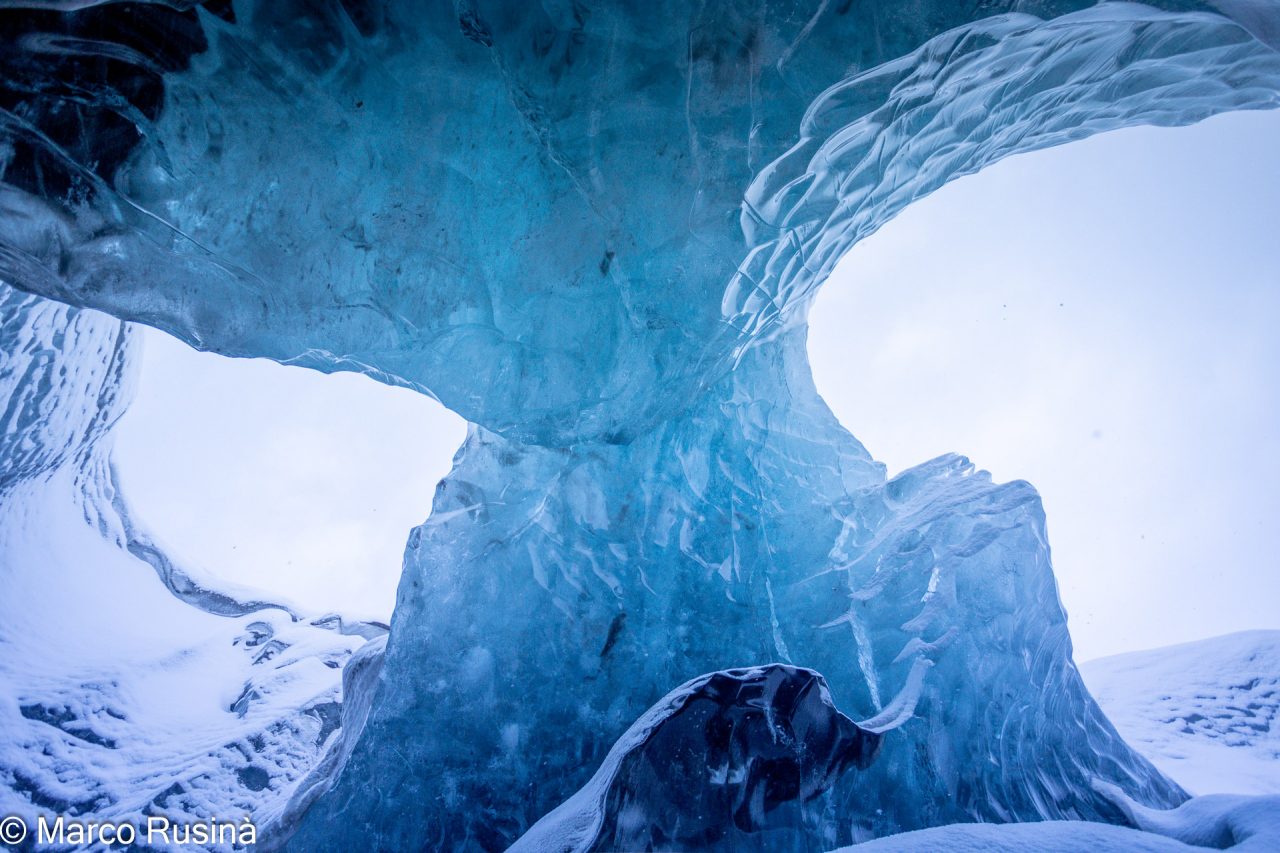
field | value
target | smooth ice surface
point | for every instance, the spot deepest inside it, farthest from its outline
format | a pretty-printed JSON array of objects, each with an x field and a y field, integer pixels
[
  {"x": 308, "y": 484},
  {"x": 728, "y": 761},
  {"x": 593, "y": 230},
  {"x": 1085, "y": 315}
]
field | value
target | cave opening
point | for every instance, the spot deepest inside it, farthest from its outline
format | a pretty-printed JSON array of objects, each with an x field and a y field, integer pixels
[
  {"x": 291, "y": 485},
  {"x": 1091, "y": 318}
]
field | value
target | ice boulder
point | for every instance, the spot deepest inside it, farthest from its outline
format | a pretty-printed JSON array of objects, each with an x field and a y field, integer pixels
[{"x": 729, "y": 761}]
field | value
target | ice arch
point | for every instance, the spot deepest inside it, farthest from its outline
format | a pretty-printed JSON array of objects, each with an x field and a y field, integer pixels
[{"x": 592, "y": 229}]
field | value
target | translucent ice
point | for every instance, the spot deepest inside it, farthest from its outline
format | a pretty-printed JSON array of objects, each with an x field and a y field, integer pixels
[
  {"x": 728, "y": 761},
  {"x": 594, "y": 229},
  {"x": 563, "y": 220}
]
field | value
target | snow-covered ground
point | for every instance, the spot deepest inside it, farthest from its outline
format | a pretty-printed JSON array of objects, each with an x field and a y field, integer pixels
[
  {"x": 1206, "y": 713},
  {"x": 1221, "y": 822},
  {"x": 129, "y": 686},
  {"x": 119, "y": 701}
]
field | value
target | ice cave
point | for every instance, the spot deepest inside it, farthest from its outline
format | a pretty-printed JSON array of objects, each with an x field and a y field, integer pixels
[{"x": 663, "y": 599}]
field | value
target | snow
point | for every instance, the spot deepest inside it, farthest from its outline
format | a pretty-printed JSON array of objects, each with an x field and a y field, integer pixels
[
  {"x": 1232, "y": 823},
  {"x": 129, "y": 687},
  {"x": 1049, "y": 837},
  {"x": 1224, "y": 822},
  {"x": 119, "y": 700},
  {"x": 1205, "y": 713}
]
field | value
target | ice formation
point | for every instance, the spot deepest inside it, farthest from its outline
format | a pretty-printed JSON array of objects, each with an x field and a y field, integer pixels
[
  {"x": 756, "y": 746},
  {"x": 593, "y": 229},
  {"x": 1224, "y": 744}
]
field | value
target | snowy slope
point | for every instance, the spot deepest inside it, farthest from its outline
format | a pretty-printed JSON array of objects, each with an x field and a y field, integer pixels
[
  {"x": 1222, "y": 822},
  {"x": 1206, "y": 713},
  {"x": 128, "y": 688},
  {"x": 118, "y": 700}
]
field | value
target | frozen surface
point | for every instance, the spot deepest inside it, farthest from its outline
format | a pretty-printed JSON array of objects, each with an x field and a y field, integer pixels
[
  {"x": 1220, "y": 822},
  {"x": 564, "y": 222},
  {"x": 593, "y": 230},
  {"x": 1206, "y": 713},
  {"x": 122, "y": 692},
  {"x": 619, "y": 568},
  {"x": 1107, "y": 304},
  {"x": 1203, "y": 712},
  {"x": 120, "y": 700}
]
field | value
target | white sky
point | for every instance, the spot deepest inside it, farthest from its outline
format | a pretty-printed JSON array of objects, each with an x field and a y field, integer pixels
[
  {"x": 1102, "y": 320},
  {"x": 1099, "y": 319},
  {"x": 281, "y": 478}
]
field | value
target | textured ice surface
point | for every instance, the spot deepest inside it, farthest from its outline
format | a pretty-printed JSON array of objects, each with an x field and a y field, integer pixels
[
  {"x": 593, "y": 229},
  {"x": 728, "y": 761},
  {"x": 559, "y": 589},
  {"x": 537, "y": 214}
]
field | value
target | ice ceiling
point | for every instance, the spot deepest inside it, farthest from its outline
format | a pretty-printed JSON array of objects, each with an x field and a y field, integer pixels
[{"x": 593, "y": 230}]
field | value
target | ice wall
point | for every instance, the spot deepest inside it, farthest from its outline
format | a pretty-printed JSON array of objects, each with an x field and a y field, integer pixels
[
  {"x": 593, "y": 229},
  {"x": 43, "y": 430},
  {"x": 554, "y": 594}
]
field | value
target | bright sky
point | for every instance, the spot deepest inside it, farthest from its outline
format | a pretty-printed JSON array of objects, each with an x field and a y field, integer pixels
[
  {"x": 280, "y": 478},
  {"x": 1102, "y": 320},
  {"x": 1099, "y": 319}
]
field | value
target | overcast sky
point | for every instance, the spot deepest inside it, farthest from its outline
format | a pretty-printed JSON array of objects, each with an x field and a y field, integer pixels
[
  {"x": 1102, "y": 320},
  {"x": 281, "y": 478},
  {"x": 1099, "y": 319}
]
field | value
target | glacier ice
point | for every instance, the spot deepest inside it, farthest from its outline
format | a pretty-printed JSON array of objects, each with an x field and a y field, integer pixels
[
  {"x": 1224, "y": 687},
  {"x": 594, "y": 230},
  {"x": 464, "y": 187},
  {"x": 755, "y": 746},
  {"x": 687, "y": 550}
]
